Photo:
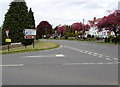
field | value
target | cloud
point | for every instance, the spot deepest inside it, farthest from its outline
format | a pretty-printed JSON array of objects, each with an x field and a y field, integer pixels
[{"x": 65, "y": 11}]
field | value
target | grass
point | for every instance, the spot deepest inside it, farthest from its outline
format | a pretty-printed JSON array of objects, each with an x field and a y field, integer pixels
[
  {"x": 107, "y": 42},
  {"x": 39, "y": 45},
  {"x": 92, "y": 40}
]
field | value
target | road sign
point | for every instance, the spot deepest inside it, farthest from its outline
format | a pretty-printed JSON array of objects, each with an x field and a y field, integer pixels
[
  {"x": 7, "y": 33},
  {"x": 8, "y": 40},
  {"x": 30, "y": 31},
  {"x": 30, "y": 36}
]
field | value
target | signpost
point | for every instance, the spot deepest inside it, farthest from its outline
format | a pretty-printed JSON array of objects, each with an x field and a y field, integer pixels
[
  {"x": 7, "y": 40},
  {"x": 30, "y": 34}
]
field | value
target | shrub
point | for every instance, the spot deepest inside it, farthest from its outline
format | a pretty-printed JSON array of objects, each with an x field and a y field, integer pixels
[
  {"x": 107, "y": 39},
  {"x": 97, "y": 38},
  {"x": 88, "y": 36},
  {"x": 92, "y": 36},
  {"x": 116, "y": 40},
  {"x": 27, "y": 42}
]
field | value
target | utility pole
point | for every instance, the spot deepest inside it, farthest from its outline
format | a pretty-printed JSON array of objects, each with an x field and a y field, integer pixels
[{"x": 83, "y": 28}]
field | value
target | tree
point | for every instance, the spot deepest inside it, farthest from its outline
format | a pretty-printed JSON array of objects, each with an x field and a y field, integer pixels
[
  {"x": 111, "y": 22},
  {"x": 31, "y": 19},
  {"x": 77, "y": 26},
  {"x": 86, "y": 28},
  {"x": 44, "y": 28},
  {"x": 61, "y": 30},
  {"x": 16, "y": 20}
]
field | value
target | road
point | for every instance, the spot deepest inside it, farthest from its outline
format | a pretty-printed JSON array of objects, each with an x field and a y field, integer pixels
[{"x": 74, "y": 63}]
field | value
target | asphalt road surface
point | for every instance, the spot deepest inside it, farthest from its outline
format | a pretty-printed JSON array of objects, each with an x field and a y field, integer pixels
[{"x": 74, "y": 63}]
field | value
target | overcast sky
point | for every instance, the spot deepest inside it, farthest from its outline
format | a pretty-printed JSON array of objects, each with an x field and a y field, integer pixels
[{"x": 64, "y": 11}]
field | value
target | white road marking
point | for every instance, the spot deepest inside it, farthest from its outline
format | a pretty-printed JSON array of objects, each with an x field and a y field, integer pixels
[
  {"x": 86, "y": 52},
  {"x": 106, "y": 56},
  {"x": 100, "y": 56},
  {"x": 12, "y": 65},
  {"x": 81, "y": 51},
  {"x": 108, "y": 59},
  {"x": 89, "y": 63},
  {"x": 59, "y": 55},
  {"x": 115, "y": 58},
  {"x": 89, "y": 53},
  {"x": 43, "y": 56},
  {"x": 94, "y": 55}
]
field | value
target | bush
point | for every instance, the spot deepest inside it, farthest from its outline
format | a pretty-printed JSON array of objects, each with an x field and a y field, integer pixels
[
  {"x": 88, "y": 36},
  {"x": 111, "y": 38},
  {"x": 107, "y": 39},
  {"x": 116, "y": 40},
  {"x": 92, "y": 36},
  {"x": 97, "y": 38},
  {"x": 27, "y": 42},
  {"x": 72, "y": 35}
]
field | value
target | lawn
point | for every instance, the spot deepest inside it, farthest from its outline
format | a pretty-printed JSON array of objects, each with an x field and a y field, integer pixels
[{"x": 39, "y": 45}]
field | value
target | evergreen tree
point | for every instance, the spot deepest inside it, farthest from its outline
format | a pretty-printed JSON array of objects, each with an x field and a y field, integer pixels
[
  {"x": 31, "y": 21},
  {"x": 16, "y": 20}
]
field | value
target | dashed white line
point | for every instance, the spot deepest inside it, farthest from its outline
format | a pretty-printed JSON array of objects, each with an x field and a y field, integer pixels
[
  {"x": 108, "y": 59},
  {"x": 115, "y": 58},
  {"x": 86, "y": 52},
  {"x": 106, "y": 56},
  {"x": 89, "y": 63},
  {"x": 81, "y": 51},
  {"x": 100, "y": 56},
  {"x": 90, "y": 53},
  {"x": 94, "y": 55},
  {"x": 12, "y": 65}
]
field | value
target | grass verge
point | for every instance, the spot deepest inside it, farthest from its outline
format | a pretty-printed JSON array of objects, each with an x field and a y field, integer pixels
[
  {"x": 39, "y": 45},
  {"x": 107, "y": 42}
]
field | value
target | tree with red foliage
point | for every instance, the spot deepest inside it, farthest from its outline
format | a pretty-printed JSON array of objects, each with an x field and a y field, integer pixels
[
  {"x": 61, "y": 30},
  {"x": 77, "y": 26},
  {"x": 80, "y": 27},
  {"x": 44, "y": 28},
  {"x": 86, "y": 27},
  {"x": 111, "y": 22}
]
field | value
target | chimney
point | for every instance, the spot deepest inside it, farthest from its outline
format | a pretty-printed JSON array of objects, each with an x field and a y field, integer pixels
[
  {"x": 119, "y": 5},
  {"x": 94, "y": 19}
]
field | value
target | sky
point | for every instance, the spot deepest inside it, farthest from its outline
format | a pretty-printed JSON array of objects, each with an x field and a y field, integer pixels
[{"x": 62, "y": 12}]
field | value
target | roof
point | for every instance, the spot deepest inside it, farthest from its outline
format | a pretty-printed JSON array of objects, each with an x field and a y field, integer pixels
[{"x": 94, "y": 21}]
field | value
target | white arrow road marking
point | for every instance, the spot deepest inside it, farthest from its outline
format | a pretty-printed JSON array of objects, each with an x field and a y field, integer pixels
[{"x": 12, "y": 65}]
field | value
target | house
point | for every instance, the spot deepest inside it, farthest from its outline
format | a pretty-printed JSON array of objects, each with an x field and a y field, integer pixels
[{"x": 94, "y": 30}]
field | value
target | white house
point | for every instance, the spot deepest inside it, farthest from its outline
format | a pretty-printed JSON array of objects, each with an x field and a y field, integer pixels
[{"x": 94, "y": 30}]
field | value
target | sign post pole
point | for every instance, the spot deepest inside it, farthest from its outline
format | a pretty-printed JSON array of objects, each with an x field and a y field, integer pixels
[
  {"x": 8, "y": 47},
  {"x": 7, "y": 40},
  {"x": 33, "y": 44}
]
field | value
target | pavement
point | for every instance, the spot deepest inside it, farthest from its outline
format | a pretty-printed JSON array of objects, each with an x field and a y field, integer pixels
[{"x": 73, "y": 63}]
